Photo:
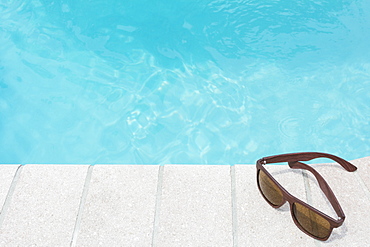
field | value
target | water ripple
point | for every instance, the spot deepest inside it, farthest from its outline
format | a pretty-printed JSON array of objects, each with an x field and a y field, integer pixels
[{"x": 221, "y": 82}]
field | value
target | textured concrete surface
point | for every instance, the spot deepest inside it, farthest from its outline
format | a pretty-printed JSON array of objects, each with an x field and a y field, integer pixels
[
  {"x": 363, "y": 171},
  {"x": 120, "y": 205},
  {"x": 44, "y": 206},
  {"x": 195, "y": 206},
  {"x": 7, "y": 173},
  {"x": 171, "y": 205}
]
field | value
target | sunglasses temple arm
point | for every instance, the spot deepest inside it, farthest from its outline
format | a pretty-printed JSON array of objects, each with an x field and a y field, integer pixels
[
  {"x": 306, "y": 156},
  {"x": 323, "y": 185}
]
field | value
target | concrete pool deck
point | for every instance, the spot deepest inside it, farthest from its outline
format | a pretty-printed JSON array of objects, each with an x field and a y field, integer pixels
[{"x": 171, "y": 205}]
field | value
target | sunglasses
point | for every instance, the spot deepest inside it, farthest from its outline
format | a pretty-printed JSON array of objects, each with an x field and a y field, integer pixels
[{"x": 307, "y": 218}]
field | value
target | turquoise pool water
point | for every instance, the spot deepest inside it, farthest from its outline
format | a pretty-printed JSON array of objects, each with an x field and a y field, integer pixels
[{"x": 182, "y": 81}]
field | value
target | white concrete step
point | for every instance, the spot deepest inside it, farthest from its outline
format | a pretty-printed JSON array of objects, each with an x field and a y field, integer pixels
[{"x": 171, "y": 205}]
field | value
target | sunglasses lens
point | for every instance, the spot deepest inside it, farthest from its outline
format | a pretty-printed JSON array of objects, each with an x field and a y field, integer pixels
[
  {"x": 269, "y": 189},
  {"x": 312, "y": 222}
]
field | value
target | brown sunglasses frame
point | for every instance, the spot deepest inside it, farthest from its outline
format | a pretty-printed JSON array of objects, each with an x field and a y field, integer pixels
[{"x": 293, "y": 160}]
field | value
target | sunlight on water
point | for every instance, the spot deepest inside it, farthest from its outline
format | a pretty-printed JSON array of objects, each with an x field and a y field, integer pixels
[{"x": 189, "y": 82}]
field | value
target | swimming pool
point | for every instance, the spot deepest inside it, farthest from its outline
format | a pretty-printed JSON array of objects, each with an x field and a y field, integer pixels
[{"x": 182, "y": 81}]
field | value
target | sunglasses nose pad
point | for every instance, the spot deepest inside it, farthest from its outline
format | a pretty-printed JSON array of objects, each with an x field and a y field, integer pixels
[{"x": 284, "y": 207}]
